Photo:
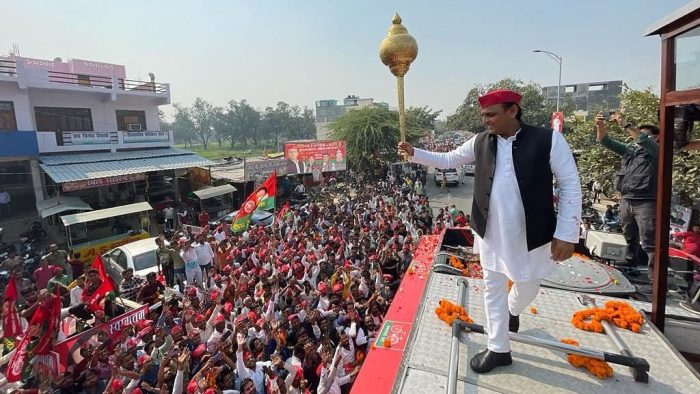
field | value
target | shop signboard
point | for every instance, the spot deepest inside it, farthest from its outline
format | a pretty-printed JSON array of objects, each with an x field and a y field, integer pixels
[
  {"x": 304, "y": 156},
  {"x": 89, "y": 137},
  {"x": 145, "y": 136},
  {"x": 199, "y": 176},
  {"x": 98, "y": 182},
  {"x": 261, "y": 169}
]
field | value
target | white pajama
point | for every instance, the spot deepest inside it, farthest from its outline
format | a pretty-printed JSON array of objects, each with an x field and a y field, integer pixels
[{"x": 498, "y": 302}]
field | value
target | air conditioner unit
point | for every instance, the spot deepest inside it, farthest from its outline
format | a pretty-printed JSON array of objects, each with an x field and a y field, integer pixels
[{"x": 134, "y": 127}]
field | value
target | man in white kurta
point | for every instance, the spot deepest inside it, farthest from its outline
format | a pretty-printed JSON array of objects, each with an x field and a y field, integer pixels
[{"x": 503, "y": 249}]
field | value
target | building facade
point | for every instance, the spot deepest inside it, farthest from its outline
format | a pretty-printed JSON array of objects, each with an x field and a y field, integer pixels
[
  {"x": 329, "y": 110},
  {"x": 589, "y": 96},
  {"x": 81, "y": 128}
]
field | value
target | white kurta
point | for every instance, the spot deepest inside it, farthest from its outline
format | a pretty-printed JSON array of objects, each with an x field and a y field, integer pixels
[{"x": 504, "y": 246}]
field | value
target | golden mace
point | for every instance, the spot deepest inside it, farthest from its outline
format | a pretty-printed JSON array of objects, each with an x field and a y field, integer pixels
[{"x": 397, "y": 51}]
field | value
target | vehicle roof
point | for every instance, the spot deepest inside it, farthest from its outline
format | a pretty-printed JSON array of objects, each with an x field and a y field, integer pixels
[{"x": 140, "y": 246}]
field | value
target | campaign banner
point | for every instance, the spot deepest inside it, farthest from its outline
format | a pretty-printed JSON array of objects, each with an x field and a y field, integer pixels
[
  {"x": 69, "y": 350},
  {"x": 680, "y": 218},
  {"x": 261, "y": 169},
  {"x": 305, "y": 156},
  {"x": 98, "y": 182},
  {"x": 557, "y": 122}
]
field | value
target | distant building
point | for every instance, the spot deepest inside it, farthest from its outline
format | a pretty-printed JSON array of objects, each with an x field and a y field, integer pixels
[
  {"x": 329, "y": 110},
  {"x": 590, "y": 96}
]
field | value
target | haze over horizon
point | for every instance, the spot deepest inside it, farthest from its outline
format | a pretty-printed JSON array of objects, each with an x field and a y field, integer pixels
[{"x": 301, "y": 52}]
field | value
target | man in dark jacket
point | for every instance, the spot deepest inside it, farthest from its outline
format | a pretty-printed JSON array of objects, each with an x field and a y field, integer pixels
[{"x": 636, "y": 182}]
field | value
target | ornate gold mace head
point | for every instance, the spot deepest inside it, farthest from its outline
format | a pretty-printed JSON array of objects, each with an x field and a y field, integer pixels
[{"x": 399, "y": 49}]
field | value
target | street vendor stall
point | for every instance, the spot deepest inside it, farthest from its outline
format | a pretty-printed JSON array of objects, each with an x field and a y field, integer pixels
[{"x": 112, "y": 235}]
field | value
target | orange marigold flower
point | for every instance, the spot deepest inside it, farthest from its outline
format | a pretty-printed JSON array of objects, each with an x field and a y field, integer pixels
[
  {"x": 387, "y": 343},
  {"x": 533, "y": 310}
]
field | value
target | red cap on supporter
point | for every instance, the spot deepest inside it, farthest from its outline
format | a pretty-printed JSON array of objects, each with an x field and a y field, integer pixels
[
  {"x": 117, "y": 384},
  {"x": 199, "y": 318},
  {"x": 219, "y": 319},
  {"x": 252, "y": 316},
  {"x": 337, "y": 287},
  {"x": 191, "y": 292},
  {"x": 176, "y": 330},
  {"x": 499, "y": 96},
  {"x": 214, "y": 295},
  {"x": 247, "y": 355},
  {"x": 228, "y": 307},
  {"x": 145, "y": 332}
]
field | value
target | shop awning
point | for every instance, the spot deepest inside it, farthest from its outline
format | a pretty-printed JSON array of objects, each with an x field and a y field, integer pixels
[
  {"x": 69, "y": 220},
  {"x": 82, "y": 166},
  {"x": 215, "y": 191},
  {"x": 60, "y": 204}
]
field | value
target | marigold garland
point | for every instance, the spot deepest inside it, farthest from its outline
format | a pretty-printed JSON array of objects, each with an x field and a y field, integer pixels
[
  {"x": 598, "y": 368},
  {"x": 617, "y": 312},
  {"x": 448, "y": 312},
  {"x": 533, "y": 310},
  {"x": 470, "y": 269}
]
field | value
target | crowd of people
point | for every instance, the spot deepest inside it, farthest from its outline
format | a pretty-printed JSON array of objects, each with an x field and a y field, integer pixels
[{"x": 289, "y": 308}]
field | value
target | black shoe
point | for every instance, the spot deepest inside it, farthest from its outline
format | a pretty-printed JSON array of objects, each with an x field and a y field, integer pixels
[
  {"x": 513, "y": 323},
  {"x": 487, "y": 360}
]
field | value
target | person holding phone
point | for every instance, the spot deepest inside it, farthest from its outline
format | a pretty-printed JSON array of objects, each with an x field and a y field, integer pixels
[{"x": 636, "y": 182}]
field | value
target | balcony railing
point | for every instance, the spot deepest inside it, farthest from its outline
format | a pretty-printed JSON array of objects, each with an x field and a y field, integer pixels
[
  {"x": 8, "y": 67},
  {"x": 129, "y": 84},
  {"x": 80, "y": 79}
]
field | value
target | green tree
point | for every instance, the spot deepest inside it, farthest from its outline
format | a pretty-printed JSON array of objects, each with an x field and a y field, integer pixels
[
  {"x": 372, "y": 132},
  {"x": 183, "y": 126},
  {"x": 536, "y": 111},
  {"x": 598, "y": 163},
  {"x": 203, "y": 115}
]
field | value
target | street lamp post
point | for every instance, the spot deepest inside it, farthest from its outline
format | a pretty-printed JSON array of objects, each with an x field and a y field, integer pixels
[{"x": 557, "y": 59}]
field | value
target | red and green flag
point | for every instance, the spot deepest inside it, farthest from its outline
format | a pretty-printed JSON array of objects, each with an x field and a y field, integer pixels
[{"x": 262, "y": 198}]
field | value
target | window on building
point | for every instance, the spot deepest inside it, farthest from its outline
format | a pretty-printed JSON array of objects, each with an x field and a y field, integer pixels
[
  {"x": 8, "y": 122},
  {"x": 131, "y": 120},
  {"x": 593, "y": 88},
  {"x": 570, "y": 89},
  {"x": 63, "y": 119}
]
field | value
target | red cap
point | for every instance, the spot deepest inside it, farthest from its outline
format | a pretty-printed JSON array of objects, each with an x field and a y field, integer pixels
[
  {"x": 117, "y": 385},
  {"x": 142, "y": 359},
  {"x": 176, "y": 330},
  {"x": 337, "y": 287},
  {"x": 499, "y": 96},
  {"x": 200, "y": 350},
  {"x": 387, "y": 277},
  {"x": 228, "y": 307},
  {"x": 199, "y": 318},
  {"x": 219, "y": 319},
  {"x": 322, "y": 288},
  {"x": 191, "y": 292},
  {"x": 145, "y": 332}
]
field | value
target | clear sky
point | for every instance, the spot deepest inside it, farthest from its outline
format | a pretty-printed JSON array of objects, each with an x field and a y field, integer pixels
[{"x": 300, "y": 51}]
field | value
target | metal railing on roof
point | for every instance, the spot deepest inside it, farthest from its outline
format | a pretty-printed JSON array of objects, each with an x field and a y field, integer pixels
[{"x": 105, "y": 82}]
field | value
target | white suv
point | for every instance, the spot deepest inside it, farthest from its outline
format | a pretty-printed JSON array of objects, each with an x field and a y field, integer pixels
[
  {"x": 451, "y": 174},
  {"x": 468, "y": 169}
]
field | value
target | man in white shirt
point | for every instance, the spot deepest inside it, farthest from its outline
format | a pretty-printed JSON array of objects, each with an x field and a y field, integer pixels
[
  {"x": 77, "y": 292},
  {"x": 515, "y": 164},
  {"x": 169, "y": 213}
]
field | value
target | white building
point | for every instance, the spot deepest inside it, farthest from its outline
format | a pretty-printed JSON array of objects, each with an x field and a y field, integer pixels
[
  {"x": 329, "y": 110},
  {"x": 82, "y": 128}
]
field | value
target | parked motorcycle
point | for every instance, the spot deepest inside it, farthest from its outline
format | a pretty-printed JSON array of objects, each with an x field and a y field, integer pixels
[{"x": 34, "y": 231}]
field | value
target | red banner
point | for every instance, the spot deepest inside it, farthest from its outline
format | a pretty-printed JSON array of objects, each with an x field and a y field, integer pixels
[
  {"x": 69, "y": 350},
  {"x": 10, "y": 319},
  {"x": 305, "y": 157},
  {"x": 43, "y": 324}
]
